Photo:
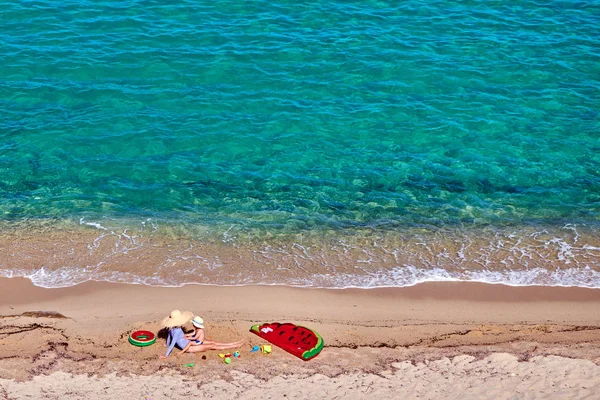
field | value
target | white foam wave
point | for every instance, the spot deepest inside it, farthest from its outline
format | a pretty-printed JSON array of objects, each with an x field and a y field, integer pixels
[
  {"x": 559, "y": 257},
  {"x": 96, "y": 225},
  {"x": 397, "y": 277},
  {"x": 410, "y": 276}
]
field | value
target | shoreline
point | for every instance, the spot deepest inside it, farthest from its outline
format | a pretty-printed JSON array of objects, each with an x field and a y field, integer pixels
[
  {"x": 479, "y": 291},
  {"x": 365, "y": 331},
  {"x": 310, "y": 287},
  {"x": 522, "y": 256}
]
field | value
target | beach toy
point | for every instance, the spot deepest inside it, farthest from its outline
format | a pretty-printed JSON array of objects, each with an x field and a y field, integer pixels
[
  {"x": 236, "y": 354},
  {"x": 298, "y": 340},
  {"x": 187, "y": 365},
  {"x": 227, "y": 360},
  {"x": 142, "y": 338},
  {"x": 255, "y": 348},
  {"x": 222, "y": 355},
  {"x": 266, "y": 349}
]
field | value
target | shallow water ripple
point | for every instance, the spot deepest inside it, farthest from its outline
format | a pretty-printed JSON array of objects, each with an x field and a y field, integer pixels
[{"x": 277, "y": 119}]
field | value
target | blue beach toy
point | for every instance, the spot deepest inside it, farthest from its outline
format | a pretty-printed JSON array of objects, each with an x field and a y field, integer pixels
[{"x": 255, "y": 348}]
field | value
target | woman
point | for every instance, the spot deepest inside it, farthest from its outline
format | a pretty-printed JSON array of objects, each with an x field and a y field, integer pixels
[{"x": 176, "y": 337}]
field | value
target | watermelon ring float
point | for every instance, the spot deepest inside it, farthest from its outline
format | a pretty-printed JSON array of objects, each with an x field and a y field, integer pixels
[
  {"x": 142, "y": 338},
  {"x": 298, "y": 340}
]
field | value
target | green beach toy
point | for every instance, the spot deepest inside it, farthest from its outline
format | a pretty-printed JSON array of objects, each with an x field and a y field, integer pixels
[
  {"x": 188, "y": 365},
  {"x": 227, "y": 360}
]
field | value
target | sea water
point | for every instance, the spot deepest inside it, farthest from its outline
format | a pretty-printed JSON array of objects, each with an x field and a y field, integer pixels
[{"x": 341, "y": 143}]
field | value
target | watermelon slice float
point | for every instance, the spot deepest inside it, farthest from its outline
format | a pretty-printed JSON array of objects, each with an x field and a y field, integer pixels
[{"x": 298, "y": 340}]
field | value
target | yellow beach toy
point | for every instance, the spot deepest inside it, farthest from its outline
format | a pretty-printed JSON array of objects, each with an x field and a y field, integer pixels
[{"x": 266, "y": 348}]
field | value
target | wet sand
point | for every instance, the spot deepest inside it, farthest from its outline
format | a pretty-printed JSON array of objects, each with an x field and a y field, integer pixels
[
  {"x": 493, "y": 341},
  {"x": 58, "y": 257}
]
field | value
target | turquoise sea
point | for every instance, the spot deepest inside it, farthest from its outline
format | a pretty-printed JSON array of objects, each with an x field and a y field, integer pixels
[{"x": 339, "y": 143}]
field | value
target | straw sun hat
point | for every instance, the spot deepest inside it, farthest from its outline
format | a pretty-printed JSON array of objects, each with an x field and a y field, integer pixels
[{"x": 177, "y": 318}]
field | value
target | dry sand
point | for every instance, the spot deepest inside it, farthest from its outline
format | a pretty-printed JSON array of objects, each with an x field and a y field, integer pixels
[{"x": 435, "y": 340}]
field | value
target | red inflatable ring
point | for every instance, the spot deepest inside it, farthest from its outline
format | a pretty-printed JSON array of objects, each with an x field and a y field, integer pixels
[{"x": 142, "y": 338}]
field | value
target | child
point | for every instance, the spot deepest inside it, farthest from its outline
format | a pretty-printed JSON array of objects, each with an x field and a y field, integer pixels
[{"x": 197, "y": 337}]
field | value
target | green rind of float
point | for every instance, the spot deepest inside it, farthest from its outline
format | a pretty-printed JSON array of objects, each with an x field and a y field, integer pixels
[{"x": 308, "y": 354}]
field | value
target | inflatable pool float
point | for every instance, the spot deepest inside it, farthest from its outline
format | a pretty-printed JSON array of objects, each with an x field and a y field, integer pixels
[
  {"x": 298, "y": 340},
  {"x": 142, "y": 338}
]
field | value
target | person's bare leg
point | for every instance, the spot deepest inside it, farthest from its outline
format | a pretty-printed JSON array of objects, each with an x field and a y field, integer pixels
[
  {"x": 186, "y": 348},
  {"x": 215, "y": 346}
]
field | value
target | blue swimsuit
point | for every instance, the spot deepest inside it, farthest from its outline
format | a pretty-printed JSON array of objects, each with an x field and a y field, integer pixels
[{"x": 176, "y": 338}]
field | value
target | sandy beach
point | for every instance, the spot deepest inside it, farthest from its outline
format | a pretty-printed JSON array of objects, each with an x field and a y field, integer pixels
[{"x": 433, "y": 340}]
